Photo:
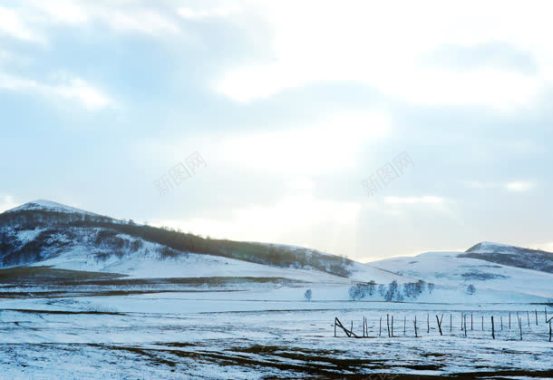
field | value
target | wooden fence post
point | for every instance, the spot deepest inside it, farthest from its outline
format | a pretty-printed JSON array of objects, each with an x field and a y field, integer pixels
[
  {"x": 428, "y": 323},
  {"x": 349, "y": 333},
  {"x": 439, "y": 325},
  {"x": 520, "y": 326},
  {"x": 493, "y": 329}
]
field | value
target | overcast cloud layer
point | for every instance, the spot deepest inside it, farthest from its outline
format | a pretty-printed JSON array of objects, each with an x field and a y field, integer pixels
[{"x": 292, "y": 105}]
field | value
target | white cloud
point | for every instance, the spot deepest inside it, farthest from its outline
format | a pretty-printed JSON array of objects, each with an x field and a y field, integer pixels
[
  {"x": 79, "y": 90},
  {"x": 207, "y": 13},
  {"x": 62, "y": 11},
  {"x": 326, "y": 144},
  {"x": 301, "y": 185},
  {"x": 372, "y": 43},
  {"x": 519, "y": 186},
  {"x": 472, "y": 184},
  {"x": 294, "y": 219},
  {"x": 428, "y": 199},
  {"x": 12, "y": 24},
  {"x": 513, "y": 186},
  {"x": 85, "y": 93},
  {"x": 121, "y": 17},
  {"x": 145, "y": 21},
  {"x": 7, "y": 202}
]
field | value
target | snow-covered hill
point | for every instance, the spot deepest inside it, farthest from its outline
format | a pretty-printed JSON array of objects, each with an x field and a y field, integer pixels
[
  {"x": 490, "y": 281},
  {"x": 45, "y": 233},
  {"x": 512, "y": 256},
  {"x": 45, "y": 205}
]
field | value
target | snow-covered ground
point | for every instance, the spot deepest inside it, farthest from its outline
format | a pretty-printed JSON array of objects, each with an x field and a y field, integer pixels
[
  {"x": 261, "y": 331},
  {"x": 148, "y": 263}
]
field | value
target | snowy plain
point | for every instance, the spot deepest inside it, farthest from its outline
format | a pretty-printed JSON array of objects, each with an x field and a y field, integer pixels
[{"x": 261, "y": 331}]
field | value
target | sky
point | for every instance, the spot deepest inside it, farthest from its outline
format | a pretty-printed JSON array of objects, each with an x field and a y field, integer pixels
[{"x": 362, "y": 128}]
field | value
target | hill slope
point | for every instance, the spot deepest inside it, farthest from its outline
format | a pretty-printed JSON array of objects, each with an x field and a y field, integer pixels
[
  {"x": 458, "y": 270},
  {"x": 512, "y": 256},
  {"x": 49, "y": 233}
]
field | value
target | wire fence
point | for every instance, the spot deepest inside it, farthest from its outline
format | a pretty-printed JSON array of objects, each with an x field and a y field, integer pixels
[{"x": 507, "y": 325}]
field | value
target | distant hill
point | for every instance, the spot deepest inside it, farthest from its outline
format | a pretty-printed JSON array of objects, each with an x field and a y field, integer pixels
[
  {"x": 512, "y": 256},
  {"x": 43, "y": 230},
  {"x": 43, "y": 239},
  {"x": 496, "y": 272}
]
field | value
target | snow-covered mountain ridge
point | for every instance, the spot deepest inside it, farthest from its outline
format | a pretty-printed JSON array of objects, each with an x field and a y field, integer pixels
[
  {"x": 512, "y": 256},
  {"x": 49, "y": 233},
  {"x": 475, "y": 276},
  {"x": 45, "y": 205}
]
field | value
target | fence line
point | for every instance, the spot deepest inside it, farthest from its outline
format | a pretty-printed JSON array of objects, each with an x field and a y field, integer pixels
[{"x": 492, "y": 330}]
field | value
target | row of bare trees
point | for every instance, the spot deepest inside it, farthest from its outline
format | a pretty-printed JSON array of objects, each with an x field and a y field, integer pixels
[{"x": 391, "y": 292}]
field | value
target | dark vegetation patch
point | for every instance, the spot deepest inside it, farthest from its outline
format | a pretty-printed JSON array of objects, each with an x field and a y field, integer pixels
[
  {"x": 64, "y": 312},
  {"x": 100, "y": 293},
  {"x": 503, "y": 374},
  {"x": 323, "y": 364},
  {"x": 147, "y": 353},
  {"x": 52, "y": 240},
  {"x": 176, "y": 242},
  {"x": 283, "y": 362},
  {"x": 482, "y": 276},
  {"x": 246, "y": 251},
  {"x": 514, "y": 257},
  {"x": 52, "y": 283},
  {"x": 186, "y": 281},
  {"x": 47, "y": 275}
]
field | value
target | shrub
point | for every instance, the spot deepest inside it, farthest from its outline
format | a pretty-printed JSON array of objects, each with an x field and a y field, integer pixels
[
  {"x": 362, "y": 290},
  {"x": 392, "y": 292}
]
